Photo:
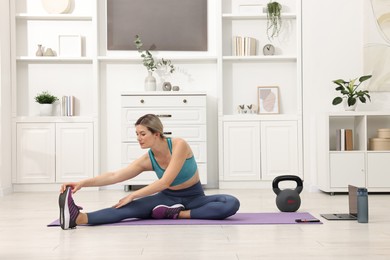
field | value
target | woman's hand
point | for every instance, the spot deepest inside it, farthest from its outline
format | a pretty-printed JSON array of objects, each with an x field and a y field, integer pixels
[
  {"x": 74, "y": 185},
  {"x": 124, "y": 201}
]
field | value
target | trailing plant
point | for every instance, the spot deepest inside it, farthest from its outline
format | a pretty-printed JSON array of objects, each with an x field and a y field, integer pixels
[
  {"x": 349, "y": 90},
  {"x": 45, "y": 98},
  {"x": 148, "y": 60},
  {"x": 274, "y": 20}
]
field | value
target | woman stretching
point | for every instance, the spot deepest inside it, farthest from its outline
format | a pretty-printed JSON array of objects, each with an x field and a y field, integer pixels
[{"x": 177, "y": 193}]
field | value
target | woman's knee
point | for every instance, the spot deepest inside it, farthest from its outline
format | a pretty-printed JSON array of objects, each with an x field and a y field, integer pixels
[{"x": 233, "y": 204}]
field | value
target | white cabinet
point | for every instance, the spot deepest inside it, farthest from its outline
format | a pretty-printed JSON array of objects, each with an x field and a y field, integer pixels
[
  {"x": 360, "y": 166},
  {"x": 241, "y": 153},
  {"x": 182, "y": 114},
  {"x": 256, "y": 151},
  {"x": 74, "y": 151},
  {"x": 35, "y": 153},
  {"x": 279, "y": 149},
  {"x": 53, "y": 152}
]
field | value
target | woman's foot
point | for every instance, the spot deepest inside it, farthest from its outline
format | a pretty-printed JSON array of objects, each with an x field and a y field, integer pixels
[
  {"x": 167, "y": 212},
  {"x": 68, "y": 209}
]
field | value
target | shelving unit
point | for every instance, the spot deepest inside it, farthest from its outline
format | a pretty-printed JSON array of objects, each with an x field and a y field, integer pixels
[
  {"x": 61, "y": 76},
  {"x": 239, "y": 78},
  {"x": 360, "y": 166}
]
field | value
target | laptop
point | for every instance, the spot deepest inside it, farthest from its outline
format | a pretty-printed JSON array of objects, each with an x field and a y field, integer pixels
[{"x": 352, "y": 201}]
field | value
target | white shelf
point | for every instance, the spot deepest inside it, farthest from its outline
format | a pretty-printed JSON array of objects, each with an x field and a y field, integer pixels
[
  {"x": 257, "y": 117},
  {"x": 24, "y": 16},
  {"x": 234, "y": 16},
  {"x": 54, "y": 119},
  {"x": 198, "y": 58},
  {"x": 46, "y": 59},
  {"x": 260, "y": 58}
]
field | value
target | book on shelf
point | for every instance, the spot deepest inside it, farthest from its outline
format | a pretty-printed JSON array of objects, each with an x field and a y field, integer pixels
[
  {"x": 344, "y": 139},
  {"x": 243, "y": 46},
  {"x": 67, "y": 106}
]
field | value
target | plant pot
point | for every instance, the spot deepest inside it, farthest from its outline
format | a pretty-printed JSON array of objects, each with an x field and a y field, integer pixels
[
  {"x": 349, "y": 108},
  {"x": 150, "y": 82},
  {"x": 46, "y": 109}
]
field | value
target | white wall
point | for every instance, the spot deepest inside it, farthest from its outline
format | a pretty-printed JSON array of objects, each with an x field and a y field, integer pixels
[
  {"x": 333, "y": 38},
  {"x": 5, "y": 102}
]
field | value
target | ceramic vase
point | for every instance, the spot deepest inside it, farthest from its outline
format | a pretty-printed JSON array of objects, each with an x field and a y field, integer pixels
[
  {"x": 46, "y": 109},
  {"x": 39, "y": 51},
  {"x": 150, "y": 82},
  {"x": 349, "y": 108}
]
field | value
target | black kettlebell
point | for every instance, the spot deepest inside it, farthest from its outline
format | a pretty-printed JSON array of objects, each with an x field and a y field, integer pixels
[{"x": 287, "y": 200}]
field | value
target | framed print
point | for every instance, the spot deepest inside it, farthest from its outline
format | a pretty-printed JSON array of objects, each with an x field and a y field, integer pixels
[
  {"x": 69, "y": 45},
  {"x": 268, "y": 100}
]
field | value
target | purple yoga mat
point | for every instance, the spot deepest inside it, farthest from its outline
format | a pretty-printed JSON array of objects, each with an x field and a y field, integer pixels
[{"x": 238, "y": 219}]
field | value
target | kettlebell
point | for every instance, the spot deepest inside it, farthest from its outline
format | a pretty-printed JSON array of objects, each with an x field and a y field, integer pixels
[{"x": 287, "y": 200}]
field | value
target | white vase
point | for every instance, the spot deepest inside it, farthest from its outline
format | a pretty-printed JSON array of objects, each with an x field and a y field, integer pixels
[
  {"x": 150, "y": 82},
  {"x": 349, "y": 108},
  {"x": 46, "y": 109}
]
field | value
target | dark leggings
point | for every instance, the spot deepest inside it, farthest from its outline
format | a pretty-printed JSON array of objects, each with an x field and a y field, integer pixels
[{"x": 193, "y": 198}]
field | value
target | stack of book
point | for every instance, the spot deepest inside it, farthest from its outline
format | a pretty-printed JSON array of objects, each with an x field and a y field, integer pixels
[
  {"x": 67, "y": 106},
  {"x": 344, "y": 140},
  {"x": 243, "y": 46}
]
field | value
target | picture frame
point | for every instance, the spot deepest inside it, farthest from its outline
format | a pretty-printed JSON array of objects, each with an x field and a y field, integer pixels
[
  {"x": 268, "y": 100},
  {"x": 69, "y": 46}
]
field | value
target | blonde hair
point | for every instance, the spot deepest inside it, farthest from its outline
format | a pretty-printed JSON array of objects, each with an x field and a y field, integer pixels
[{"x": 152, "y": 123}]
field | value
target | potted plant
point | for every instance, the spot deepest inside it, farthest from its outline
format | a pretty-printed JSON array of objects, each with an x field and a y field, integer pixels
[
  {"x": 151, "y": 65},
  {"x": 274, "y": 20},
  {"x": 46, "y": 100},
  {"x": 349, "y": 91}
]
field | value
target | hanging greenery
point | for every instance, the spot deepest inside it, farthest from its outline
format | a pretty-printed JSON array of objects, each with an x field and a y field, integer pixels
[{"x": 274, "y": 20}]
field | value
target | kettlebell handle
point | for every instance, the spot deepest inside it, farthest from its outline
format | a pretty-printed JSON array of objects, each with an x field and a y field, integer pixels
[{"x": 275, "y": 183}]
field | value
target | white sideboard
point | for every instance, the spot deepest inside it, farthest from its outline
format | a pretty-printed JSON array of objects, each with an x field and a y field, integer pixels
[
  {"x": 182, "y": 114},
  {"x": 360, "y": 166},
  {"x": 51, "y": 153}
]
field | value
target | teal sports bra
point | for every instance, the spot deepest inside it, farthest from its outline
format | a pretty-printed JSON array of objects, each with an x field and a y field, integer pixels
[{"x": 187, "y": 171}]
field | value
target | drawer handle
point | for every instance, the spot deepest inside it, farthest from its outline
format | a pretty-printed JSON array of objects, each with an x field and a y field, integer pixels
[
  {"x": 164, "y": 115},
  {"x": 167, "y": 133},
  {"x": 142, "y": 101},
  {"x": 184, "y": 101}
]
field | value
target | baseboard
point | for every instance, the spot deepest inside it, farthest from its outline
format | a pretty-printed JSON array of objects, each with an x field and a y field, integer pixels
[{"x": 5, "y": 191}]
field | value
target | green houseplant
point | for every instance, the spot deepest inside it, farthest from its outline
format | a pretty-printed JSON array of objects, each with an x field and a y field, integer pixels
[
  {"x": 274, "y": 19},
  {"x": 46, "y": 100},
  {"x": 349, "y": 91}
]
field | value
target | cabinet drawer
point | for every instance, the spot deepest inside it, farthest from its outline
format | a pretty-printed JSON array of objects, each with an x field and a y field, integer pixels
[
  {"x": 166, "y": 115},
  {"x": 187, "y": 132},
  {"x": 132, "y": 151},
  {"x": 163, "y": 101}
]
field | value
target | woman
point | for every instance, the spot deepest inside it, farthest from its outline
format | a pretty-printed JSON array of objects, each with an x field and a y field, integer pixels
[{"x": 177, "y": 193}]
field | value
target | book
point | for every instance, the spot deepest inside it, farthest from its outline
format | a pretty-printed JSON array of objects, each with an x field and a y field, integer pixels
[
  {"x": 342, "y": 139},
  {"x": 348, "y": 140},
  {"x": 338, "y": 139},
  {"x": 243, "y": 46}
]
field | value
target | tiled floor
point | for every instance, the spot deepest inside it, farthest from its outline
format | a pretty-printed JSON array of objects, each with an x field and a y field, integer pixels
[{"x": 24, "y": 235}]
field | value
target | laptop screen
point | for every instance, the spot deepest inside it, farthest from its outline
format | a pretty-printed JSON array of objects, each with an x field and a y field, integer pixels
[{"x": 352, "y": 199}]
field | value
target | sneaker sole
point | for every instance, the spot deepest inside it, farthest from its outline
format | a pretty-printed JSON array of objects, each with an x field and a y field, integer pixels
[{"x": 64, "y": 209}]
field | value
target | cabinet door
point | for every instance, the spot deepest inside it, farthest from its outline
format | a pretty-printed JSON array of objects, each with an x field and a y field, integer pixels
[
  {"x": 377, "y": 170},
  {"x": 279, "y": 149},
  {"x": 35, "y": 153},
  {"x": 74, "y": 151},
  {"x": 241, "y": 151},
  {"x": 347, "y": 168}
]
